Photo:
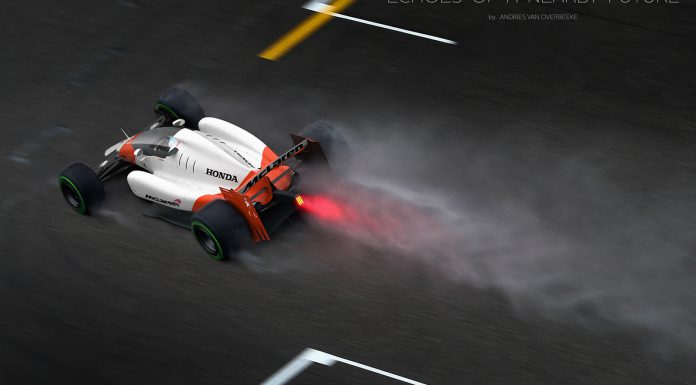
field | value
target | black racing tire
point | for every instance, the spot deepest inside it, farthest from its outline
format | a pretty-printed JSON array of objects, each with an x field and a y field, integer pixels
[
  {"x": 176, "y": 103},
  {"x": 221, "y": 231},
  {"x": 81, "y": 188},
  {"x": 332, "y": 142}
]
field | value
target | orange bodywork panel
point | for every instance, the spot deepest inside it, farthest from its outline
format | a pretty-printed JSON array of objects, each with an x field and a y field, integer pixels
[
  {"x": 126, "y": 151},
  {"x": 261, "y": 192},
  {"x": 269, "y": 156},
  {"x": 204, "y": 200},
  {"x": 244, "y": 206}
]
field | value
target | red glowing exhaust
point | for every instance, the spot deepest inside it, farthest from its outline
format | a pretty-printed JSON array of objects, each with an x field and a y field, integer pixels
[
  {"x": 375, "y": 217},
  {"x": 322, "y": 207}
]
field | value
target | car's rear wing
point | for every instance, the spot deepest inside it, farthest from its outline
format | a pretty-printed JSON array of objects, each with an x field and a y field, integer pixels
[
  {"x": 258, "y": 227},
  {"x": 304, "y": 148}
]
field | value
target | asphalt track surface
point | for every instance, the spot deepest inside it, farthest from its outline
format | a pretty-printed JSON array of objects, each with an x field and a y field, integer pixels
[{"x": 587, "y": 125}]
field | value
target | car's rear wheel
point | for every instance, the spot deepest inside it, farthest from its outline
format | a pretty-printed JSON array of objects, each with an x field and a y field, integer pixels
[
  {"x": 81, "y": 188},
  {"x": 177, "y": 103},
  {"x": 332, "y": 142},
  {"x": 220, "y": 230}
]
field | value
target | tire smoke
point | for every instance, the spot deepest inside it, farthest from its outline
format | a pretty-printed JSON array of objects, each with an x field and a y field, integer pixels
[{"x": 570, "y": 242}]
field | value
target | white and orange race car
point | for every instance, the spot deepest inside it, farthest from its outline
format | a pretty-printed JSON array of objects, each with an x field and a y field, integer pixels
[{"x": 206, "y": 174}]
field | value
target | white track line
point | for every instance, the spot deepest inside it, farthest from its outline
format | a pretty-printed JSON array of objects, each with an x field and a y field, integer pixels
[
  {"x": 320, "y": 7},
  {"x": 308, "y": 356},
  {"x": 292, "y": 369}
]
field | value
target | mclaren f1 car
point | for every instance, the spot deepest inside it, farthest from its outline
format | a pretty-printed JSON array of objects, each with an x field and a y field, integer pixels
[{"x": 205, "y": 174}]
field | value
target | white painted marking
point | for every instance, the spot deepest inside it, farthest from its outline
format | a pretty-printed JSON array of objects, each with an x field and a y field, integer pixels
[
  {"x": 320, "y": 7},
  {"x": 294, "y": 367},
  {"x": 317, "y": 6},
  {"x": 308, "y": 356}
]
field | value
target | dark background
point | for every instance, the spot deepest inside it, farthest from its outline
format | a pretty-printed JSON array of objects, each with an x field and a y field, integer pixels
[{"x": 556, "y": 160}]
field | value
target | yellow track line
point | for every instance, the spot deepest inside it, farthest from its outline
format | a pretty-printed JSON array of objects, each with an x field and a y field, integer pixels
[{"x": 302, "y": 31}]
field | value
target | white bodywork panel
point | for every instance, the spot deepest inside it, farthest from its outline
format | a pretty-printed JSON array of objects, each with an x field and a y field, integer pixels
[
  {"x": 115, "y": 147},
  {"x": 247, "y": 145},
  {"x": 219, "y": 155},
  {"x": 162, "y": 191}
]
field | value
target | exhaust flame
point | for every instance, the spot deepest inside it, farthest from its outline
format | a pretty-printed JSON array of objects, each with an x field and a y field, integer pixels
[
  {"x": 376, "y": 218},
  {"x": 325, "y": 208}
]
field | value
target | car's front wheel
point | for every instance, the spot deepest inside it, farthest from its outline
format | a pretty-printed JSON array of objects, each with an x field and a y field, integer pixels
[
  {"x": 81, "y": 188},
  {"x": 177, "y": 103}
]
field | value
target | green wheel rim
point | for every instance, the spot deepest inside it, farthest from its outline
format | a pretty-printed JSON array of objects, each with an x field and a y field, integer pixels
[
  {"x": 64, "y": 181},
  {"x": 161, "y": 106},
  {"x": 198, "y": 225}
]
